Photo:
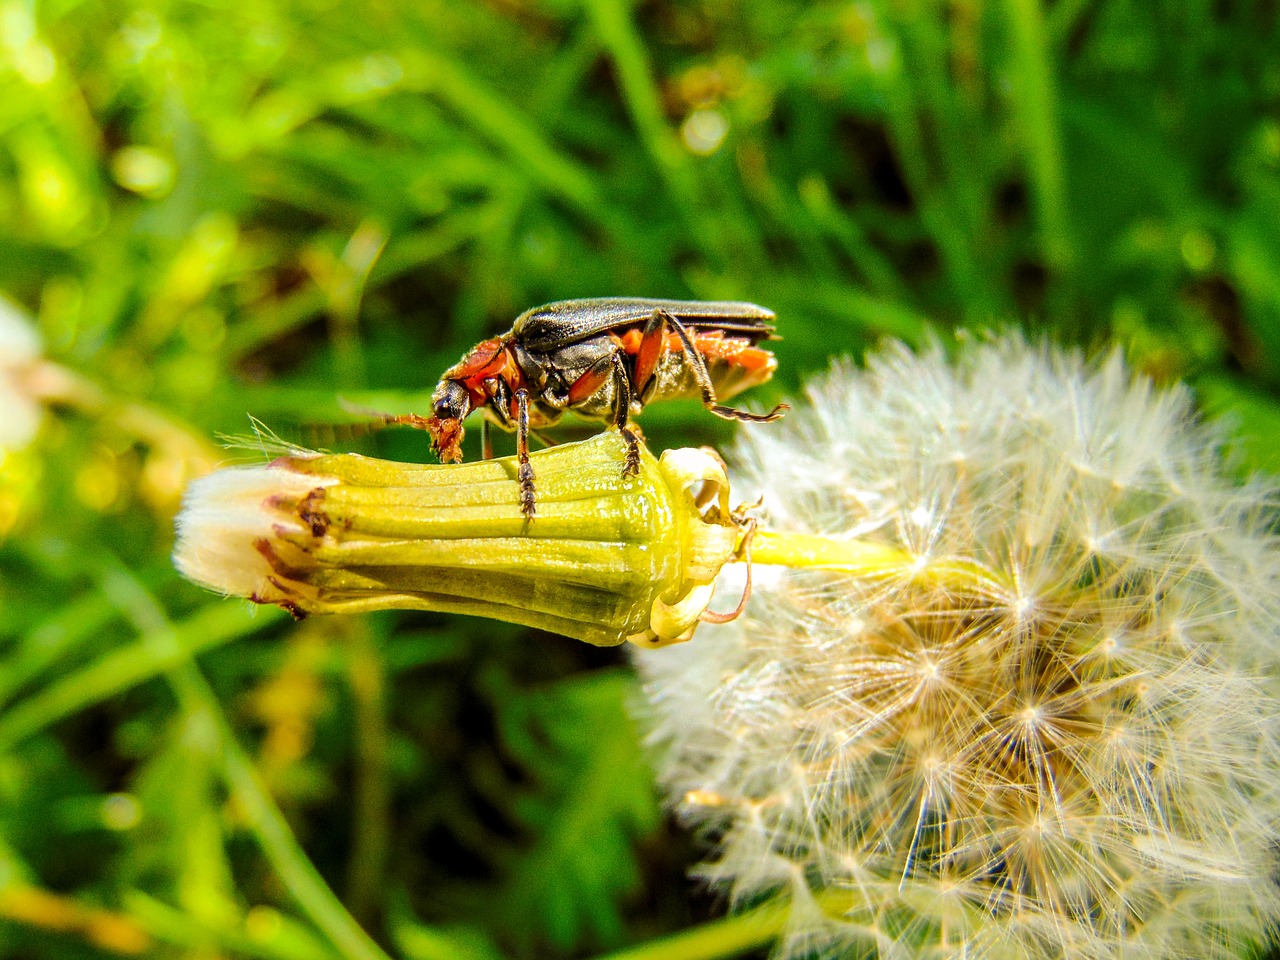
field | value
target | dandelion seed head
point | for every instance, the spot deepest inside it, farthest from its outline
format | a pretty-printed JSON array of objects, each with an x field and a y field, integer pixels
[{"x": 1075, "y": 753}]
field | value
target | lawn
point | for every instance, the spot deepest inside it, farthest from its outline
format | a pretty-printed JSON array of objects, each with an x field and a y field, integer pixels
[{"x": 217, "y": 215}]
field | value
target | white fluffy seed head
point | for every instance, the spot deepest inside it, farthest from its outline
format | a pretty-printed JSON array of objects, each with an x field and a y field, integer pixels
[{"x": 1078, "y": 759}]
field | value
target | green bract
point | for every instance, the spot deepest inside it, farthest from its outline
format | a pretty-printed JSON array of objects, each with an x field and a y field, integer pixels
[{"x": 607, "y": 558}]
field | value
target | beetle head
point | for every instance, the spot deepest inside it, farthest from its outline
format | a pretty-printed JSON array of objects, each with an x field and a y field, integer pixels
[{"x": 449, "y": 407}]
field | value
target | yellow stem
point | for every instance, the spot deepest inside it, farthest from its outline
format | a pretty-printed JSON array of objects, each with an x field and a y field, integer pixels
[{"x": 872, "y": 560}]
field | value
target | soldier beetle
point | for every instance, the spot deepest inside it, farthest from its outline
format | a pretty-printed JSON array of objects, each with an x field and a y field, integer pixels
[{"x": 602, "y": 358}]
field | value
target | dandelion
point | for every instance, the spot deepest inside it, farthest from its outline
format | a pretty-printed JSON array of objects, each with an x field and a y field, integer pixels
[
  {"x": 608, "y": 558},
  {"x": 1015, "y": 695}
]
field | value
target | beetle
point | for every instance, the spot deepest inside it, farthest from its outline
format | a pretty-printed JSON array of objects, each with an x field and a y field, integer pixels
[{"x": 603, "y": 358}]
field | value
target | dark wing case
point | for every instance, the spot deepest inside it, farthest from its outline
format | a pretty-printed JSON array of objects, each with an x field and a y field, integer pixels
[{"x": 557, "y": 324}]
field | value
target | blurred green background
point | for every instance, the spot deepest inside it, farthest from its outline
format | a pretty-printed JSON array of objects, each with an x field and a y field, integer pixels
[{"x": 213, "y": 210}]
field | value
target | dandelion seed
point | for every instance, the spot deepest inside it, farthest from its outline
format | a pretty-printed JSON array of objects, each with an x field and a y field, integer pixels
[{"x": 1032, "y": 712}]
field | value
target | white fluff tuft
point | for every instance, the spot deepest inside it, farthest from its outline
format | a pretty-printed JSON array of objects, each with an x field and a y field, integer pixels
[
  {"x": 1079, "y": 760},
  {"x": 223, "y": 517}
]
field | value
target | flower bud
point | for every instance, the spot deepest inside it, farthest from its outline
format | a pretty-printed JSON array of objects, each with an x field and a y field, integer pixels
[{"x": 607, "y": 558}]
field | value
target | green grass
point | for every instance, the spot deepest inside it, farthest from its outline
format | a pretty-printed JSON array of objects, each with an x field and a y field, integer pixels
[{"x": 214, "y": 210}]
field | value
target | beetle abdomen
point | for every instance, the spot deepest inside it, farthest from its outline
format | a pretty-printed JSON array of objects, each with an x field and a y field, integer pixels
[{"x": 732, "y": 363}]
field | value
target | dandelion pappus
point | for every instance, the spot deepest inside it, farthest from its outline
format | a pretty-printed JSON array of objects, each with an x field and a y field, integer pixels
[{"x": 602, "y": 358}]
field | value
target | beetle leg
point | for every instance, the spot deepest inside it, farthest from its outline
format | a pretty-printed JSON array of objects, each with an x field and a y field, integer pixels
[
  {"x": 653, "y": 342},
  {"x": 591, "y": 380},
  {"x": 525, "y": 470},
  {"x": 622, "y": 412},
  {"x": 612, "y": 364},
  {"x": 499, "y": 406},
  {"x": 703, "y": 378}
]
